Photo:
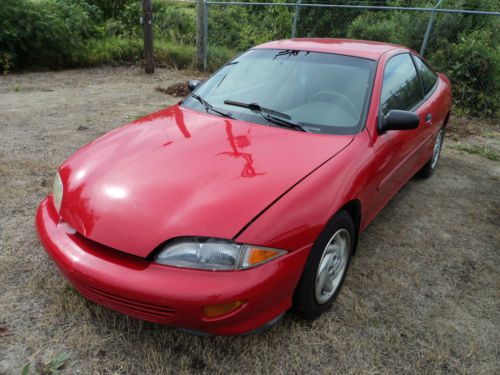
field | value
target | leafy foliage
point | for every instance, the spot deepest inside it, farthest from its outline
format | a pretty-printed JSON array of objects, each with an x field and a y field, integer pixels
[
  {"x": 240, "y": 28},
  {"x": 111, "y": 8},
  {"x": 42, "y": 33},
  {"x": 473, "y": 65}
]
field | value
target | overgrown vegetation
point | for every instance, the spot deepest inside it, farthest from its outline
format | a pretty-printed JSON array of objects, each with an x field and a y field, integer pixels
[
  {"x": 80, "y": 33},
  {"x": 83, "y": 33}
]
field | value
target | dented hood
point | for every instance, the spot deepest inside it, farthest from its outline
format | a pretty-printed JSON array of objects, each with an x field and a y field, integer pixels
[{"x": 178, "y": 172}]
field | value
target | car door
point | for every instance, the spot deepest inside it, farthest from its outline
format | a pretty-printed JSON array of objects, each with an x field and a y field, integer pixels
[
  {"x": 430, "y": 109},
  {"x": 395, "y": 150}
]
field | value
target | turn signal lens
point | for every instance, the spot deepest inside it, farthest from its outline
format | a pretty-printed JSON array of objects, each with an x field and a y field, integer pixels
[
  {"x": 212, "y": 311},
  {"x": 256, "y": 255}
]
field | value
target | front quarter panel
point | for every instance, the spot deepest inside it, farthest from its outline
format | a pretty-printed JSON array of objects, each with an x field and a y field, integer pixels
[{"x": 296, "y": 220}]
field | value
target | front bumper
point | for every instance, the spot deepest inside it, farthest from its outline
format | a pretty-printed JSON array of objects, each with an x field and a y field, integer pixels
[{"x": 169, "y": 295}]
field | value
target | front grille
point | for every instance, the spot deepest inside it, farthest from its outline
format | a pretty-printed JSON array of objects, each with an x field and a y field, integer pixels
[{"x": 141, "y": 310}]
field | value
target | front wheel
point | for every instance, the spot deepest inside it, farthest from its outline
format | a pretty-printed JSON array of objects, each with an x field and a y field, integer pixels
[
  {"x": 326, "y": 267},
  {"x": 428, "y": 169}
]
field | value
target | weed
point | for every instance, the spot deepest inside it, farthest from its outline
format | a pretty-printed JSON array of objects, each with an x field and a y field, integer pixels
[
  {"x": 51, "y": 367},
  {"x": 482, "y": 151}
]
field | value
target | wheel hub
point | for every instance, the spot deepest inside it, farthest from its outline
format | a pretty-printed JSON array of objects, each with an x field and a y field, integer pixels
[{"x": 332, "y": 266}]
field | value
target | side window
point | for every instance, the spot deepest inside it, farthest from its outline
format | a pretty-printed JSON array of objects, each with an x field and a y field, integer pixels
[
  {"x": 400, "y": 88},
  {"x": 428, "y": 77}
]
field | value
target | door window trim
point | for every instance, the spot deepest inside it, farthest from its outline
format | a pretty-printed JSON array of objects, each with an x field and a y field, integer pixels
[
  {"x": 431, "y": 91},
  {"x": 424, "y": 97},
  {"x": 383, "y": 76}
]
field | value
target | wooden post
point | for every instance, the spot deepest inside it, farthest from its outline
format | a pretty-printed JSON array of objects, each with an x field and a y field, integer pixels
[
  {"x": 147, "y": 20},
  {"x": 200, "y": 33}
]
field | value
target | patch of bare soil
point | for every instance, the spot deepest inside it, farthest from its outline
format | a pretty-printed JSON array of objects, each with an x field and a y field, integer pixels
[{"x": 421, "y": 295}]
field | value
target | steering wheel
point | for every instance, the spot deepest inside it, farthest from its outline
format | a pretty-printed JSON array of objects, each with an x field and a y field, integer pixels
[{"x": 335, "y": 95}]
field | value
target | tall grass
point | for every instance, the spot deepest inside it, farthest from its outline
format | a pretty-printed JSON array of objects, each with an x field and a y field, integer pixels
[{"x": 116, "y": 49}]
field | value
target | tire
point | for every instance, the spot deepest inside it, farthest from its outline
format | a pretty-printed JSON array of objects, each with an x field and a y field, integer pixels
[
  {"x": 429, "y": 168},
  {"x": 313, "y": 294}
]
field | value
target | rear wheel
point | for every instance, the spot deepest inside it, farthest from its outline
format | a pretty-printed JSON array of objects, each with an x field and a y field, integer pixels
[
  {"x": 428, "y": 169},
  {"x": 326, "y": 267}
]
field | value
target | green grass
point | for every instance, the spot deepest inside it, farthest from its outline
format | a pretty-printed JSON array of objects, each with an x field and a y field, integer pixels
[
  {"x": 482, "y": 151},
  {"x": 489, "y": 134},
  {"x": 120, "y": 50},
  {"x": 109, "y": 50}
]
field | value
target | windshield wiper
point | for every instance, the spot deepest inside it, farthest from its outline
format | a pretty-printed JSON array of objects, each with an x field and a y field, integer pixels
[
  {"x": 289, "y": 52},
  {"x": 270, "y": 115},
  {"x": 210, "y": 107}
]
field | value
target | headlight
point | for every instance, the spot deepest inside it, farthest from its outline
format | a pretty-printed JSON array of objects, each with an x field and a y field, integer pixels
[
  {"x": 214, "y": 254},
  {"x": 57, "y": 191}
]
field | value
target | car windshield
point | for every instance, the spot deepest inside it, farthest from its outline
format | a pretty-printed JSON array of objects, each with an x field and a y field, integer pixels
[{"x": 322, "y": 92}]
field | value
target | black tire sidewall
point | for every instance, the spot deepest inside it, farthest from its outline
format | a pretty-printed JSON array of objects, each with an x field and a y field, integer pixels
[{"x": 304, "y": 301}]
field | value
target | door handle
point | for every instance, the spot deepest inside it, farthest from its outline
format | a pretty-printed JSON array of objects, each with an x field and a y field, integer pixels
[{"x": 428, "y": 119}]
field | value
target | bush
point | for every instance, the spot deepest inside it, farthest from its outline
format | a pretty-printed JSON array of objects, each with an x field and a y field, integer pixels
[
  {"x": 464, "y": 47},
  {"x": 240, "y": 28},
  {"x": 44, "y": 33},
  {"x": 111, "y": 8},
  {"x": 219, "y": 56},
  {"x": 176, "y": 23},
  {"x": 473, "y": 66},
  {"x": 391, "y": 27}
]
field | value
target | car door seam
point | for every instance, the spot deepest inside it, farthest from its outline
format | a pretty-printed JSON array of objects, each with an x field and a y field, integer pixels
[{"x": 397, "y": 167}]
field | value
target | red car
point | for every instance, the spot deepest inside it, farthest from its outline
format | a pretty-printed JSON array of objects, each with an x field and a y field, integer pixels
[{"x": 247, "y": 198}]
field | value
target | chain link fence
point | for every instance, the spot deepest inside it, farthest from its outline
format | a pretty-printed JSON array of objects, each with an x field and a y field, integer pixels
[{"x": 460, "y": 38}]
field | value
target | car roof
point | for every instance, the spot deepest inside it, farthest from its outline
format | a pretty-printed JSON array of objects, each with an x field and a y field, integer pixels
[{"x": 351, "y": 47}]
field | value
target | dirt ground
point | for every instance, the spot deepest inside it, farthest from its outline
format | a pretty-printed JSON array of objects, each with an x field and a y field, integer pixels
[{"x": 422, "y": 295}]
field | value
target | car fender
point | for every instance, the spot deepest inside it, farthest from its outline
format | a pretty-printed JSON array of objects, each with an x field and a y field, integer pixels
[{"x": 296, "y": 220}]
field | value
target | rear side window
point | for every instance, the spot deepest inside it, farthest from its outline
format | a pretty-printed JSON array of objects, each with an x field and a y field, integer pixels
[
  {"x": 400, "y": 88},
  {"x": 428, "y": 77}
]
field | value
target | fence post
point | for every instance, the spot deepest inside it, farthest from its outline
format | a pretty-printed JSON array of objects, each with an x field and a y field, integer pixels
[
  {"x": 205, "y": 37},
  {"x": 200, "y": 34},
  {"x": 429, "y": 29},
  {"x": 296, "y": 18},
  {"x": 147, "y": 13}
]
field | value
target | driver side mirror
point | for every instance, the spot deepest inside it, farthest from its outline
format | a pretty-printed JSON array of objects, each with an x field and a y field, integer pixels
[
  {"x": 193, "y": 83},
  {"x": 398, "y": 120}
]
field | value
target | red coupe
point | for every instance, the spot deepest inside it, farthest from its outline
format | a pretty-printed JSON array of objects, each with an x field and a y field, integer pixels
[{"x": 247, "y": 198}]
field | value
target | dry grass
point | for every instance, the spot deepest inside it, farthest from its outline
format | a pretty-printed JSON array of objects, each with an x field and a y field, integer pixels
[{"x": 421, "y": 295}]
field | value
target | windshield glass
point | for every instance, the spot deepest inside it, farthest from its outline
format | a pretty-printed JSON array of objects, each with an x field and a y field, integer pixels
[{"x": 323, "y": 92}]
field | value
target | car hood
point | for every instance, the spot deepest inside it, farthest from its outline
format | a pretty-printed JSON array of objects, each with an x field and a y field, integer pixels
[{"x": 178, "y": 172}]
